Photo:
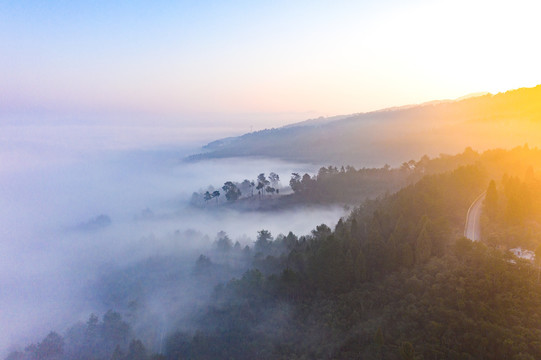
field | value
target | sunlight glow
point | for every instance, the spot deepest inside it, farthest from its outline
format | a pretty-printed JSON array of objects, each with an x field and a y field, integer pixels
[{"x": 265, "y": 59}]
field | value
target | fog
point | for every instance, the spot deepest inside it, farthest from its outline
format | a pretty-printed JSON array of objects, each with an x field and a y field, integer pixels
[{"x": 72, "y": 215}]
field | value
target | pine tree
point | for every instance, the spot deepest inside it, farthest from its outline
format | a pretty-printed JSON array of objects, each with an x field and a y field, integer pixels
[
  {"x": 407, "y": 259},
  {"x": 340, "y": 229},
  {"x": 360, "y": 267},
  {"x": 354, "y": 230},
  {"x": 401, "y": 229},
  {"x": 423, "y": 247}
]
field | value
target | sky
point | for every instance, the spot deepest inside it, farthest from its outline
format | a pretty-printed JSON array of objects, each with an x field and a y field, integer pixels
[{"x": 236, "y": 66}]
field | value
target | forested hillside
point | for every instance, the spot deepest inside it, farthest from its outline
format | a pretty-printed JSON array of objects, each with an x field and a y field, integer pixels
[
  {"x": 327, "y": 296},
  {"x": 393, "y": 280},
  {"x": 346, "y": 185}
]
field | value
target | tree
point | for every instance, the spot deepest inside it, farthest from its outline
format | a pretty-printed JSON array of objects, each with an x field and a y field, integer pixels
[
  {"x": 252, "y": 186},
  {"x": 354, "y": 230},
  {"x": 407, "y": 258},
  {"x": 114, "y": 330},
  {"x": 216, "y": 194},
  {"x": 306, "y": 181},
  {"x": 232, "y": 192},
  {"x": 491, "y": 200},
  {"x": 223, "y": 243},
  {"x": 202, "y": 265},
  {"x": 137, "y": 351},
  {"x": 207, "y": 196},
  {"x": 423, "y": 246},
  {"x": 274, "y": 179},
  {"x": 340, "y": 229},
  {"x": 91, "y": 338},
  {"x": 401, "y": 229},
  {"x": 264, "y": 240},
  {"x": 51, "y": 347},
  {"x": 295, "y": 182},
  {"x": 406, "y": 351},
  {"x": 405, "y": 167},
  {"x": 321, "y": 231},
  {"x": 262, "y": 182},
  {"x": 359, "y": 271},
  {"x": 245, "y": 187},
  {"x": 291, "y": 240}
]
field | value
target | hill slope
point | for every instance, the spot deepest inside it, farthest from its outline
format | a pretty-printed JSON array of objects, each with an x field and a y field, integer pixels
[{"x": 389, "y": 136}]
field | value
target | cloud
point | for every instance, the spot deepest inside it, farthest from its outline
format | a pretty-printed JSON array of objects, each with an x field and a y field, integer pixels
[{"x": 49, "y": 271}]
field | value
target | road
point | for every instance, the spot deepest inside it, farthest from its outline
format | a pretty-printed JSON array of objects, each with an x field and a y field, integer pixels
[{"x": 472, "y": 230}]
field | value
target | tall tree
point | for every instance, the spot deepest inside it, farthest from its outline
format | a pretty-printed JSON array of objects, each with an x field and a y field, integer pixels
[
  {"x": 407, "y": 259},
  {"x": 360, "y": 267},
  {"x": 252, "y": 186},
  {"x": 223, "y": 242},
  {"x": 207, "y": 196},
  {"x": 274, "y": 180},
  {"x": 114, "y": 330},
  {"x": 264, "y": 240},
  {"x": 245, "y": 187},
  {"x": 232, "y": 192},
  {"x": 355, "y": 231},
  {"x": 306, "y": 181},
  {"x": 423, "y": 246},
  {"x": 491, "y": 200},
  {"x": 52, "y": 347},
  {"x": 295, "y": 182},
  {"x": 262, "y": 182},
  {"x": 137, "y": 351}
]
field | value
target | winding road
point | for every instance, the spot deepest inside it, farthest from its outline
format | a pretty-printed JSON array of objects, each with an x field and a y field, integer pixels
[{"x": 472, "y": 230}]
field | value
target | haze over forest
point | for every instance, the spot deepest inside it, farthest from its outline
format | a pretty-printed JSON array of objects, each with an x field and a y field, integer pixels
[
  {"x": 155, "y": 250},
  {"x": 285, "y": 180},
  {"x": 395, "y": 134}
]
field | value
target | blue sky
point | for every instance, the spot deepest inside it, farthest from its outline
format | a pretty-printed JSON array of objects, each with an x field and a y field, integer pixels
[{"x": 256, "y": 63}]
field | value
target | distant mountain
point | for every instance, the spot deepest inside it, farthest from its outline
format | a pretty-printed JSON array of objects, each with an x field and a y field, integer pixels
[{"x": 392, "y": 135}]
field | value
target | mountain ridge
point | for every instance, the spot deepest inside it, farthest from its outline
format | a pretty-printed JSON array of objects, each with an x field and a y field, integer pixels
[{"x": 388, "y": 135}]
